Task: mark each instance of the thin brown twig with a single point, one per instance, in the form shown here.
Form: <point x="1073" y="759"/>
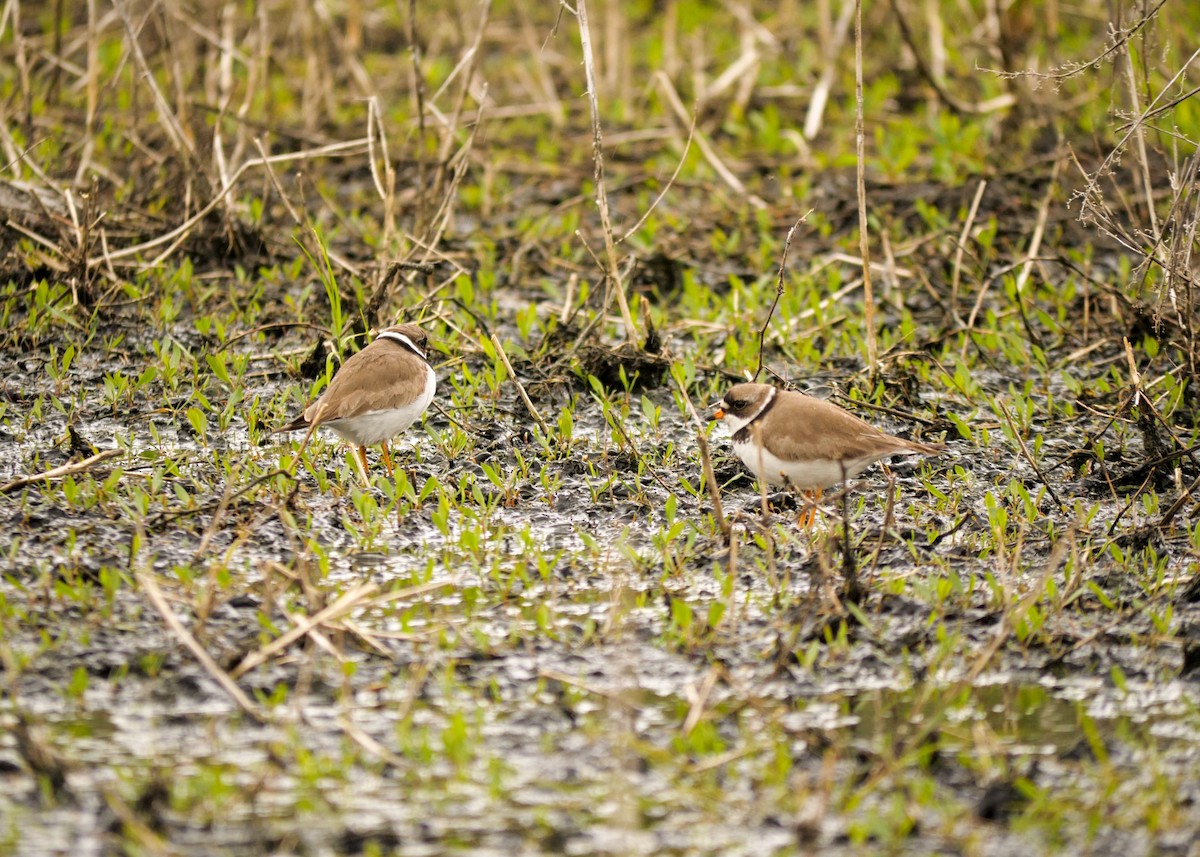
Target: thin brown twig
<point x="653" y="471"/>
<point x="787" y="244"/>
<point x="1008" y="417"/>
<point x="687" y="145"/>
<point x="1119" y="40"/>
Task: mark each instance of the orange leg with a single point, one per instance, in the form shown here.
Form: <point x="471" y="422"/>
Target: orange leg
<point x="387" y="458"/>
<point x="809" y="513"/>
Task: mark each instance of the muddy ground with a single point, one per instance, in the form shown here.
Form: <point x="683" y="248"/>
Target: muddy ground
<point x="592" y="704"/>
<point x="547" y="638"/>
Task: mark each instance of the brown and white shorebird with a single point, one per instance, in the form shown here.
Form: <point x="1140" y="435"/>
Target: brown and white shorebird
<point x="788" y="438"/>
<point x="376" y="394"/>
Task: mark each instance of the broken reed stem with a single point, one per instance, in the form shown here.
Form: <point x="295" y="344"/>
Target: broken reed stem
<point x="968" y="224"/>
<point x="787" y="243"/>
<point x="533" y="412"/>
<point x="1139" y="139"/>
<point x="179" y="234"/>
<point x="1039" y="229"/>
<point x="418" y="89"/>
<point x="385" y="184"/>
<point x="149" y="585"/>
<point x="611" y="272"/>
<point x="714" y="490"/>
<point x="347" y="602"/>
<point x="59" y="472"/>
<point x="832" y="41"/>
<point x="860" y="159"/>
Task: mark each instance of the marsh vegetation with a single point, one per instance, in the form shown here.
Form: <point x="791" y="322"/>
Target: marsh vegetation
<point x="567" y="623"/>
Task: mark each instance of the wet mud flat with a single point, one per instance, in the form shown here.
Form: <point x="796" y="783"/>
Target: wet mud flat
<point x="542" y="643"/>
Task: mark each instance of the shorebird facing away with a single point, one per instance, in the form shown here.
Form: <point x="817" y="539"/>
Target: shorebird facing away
<point x="376" y="394"/>
<point x="788" y="438"/>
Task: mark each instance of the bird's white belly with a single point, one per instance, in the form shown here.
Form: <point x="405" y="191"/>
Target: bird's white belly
<point x="804" y="475"/>
<point x="377" y="426"/>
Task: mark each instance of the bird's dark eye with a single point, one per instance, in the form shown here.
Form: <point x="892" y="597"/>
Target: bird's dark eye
<point x="736" y="404"/>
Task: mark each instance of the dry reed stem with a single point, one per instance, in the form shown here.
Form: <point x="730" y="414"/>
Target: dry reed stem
<point x="468" y="63"/>
<point x="179" y="234"/>
<point x="165" y="115"/>
<point x="417" y="84"/>
<point x="710" y="155"/>
<point x="348" y="601"/>
<point x="360" y="737"/>
<point x="70" y="469"/>
<point x="314" y="634"/>
<point x="134" y="827"/>
<point x="612" y="274"/>
<point x="533" y="412"/>
<point x="698" y="698"/>
<point x="937" y="39"/>
<point x="956" y="276"/>
<point x="831" y="47"/>
<point x="616" y="696"/>
<point x="91" y="91"/>
<point x="714" y="489"/>
<point x="1039" y="229"/>
<point x="149" y="585"/>
<point x="860" y="184"/>
<point x="1139" y="139"/>
<point x="385" y="185"/>
<point x="710" y="479"/>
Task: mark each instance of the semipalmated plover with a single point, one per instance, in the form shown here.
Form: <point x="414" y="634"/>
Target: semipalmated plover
<point x="788" y="438"/>
<point x="376" y="394"/>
